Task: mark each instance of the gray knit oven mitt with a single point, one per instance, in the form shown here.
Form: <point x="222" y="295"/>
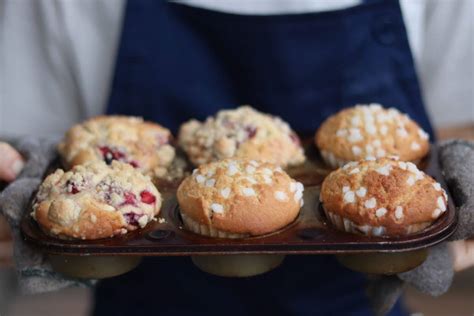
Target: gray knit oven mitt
<point x="435" y="275"/>
<point x="35" y="274"/>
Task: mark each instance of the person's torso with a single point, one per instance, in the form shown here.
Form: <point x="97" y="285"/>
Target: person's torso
<point x="177" y="62"/>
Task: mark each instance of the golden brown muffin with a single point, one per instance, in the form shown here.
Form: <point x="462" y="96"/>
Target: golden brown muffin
<point x="236" y="198"/>
<point x="370" y="131"/>
<point x="242" y="133"/>
<point x="384" y="197"/>
<point x="95" y="200"/>
<point x="144" y="145"/>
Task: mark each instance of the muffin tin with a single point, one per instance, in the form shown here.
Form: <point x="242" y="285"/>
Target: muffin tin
<point x="308" y="234"/>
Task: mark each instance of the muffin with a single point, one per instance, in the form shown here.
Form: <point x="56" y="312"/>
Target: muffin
<point x="366" y="131"/>
<point x="236" y="198"/>
<point x="242" y="133"/>
<point x="95" y="200"/>
<point x="383" y="197"/>
<point x="144" y="145"/>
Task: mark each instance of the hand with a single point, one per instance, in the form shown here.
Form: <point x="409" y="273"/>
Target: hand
<point x="458" y="171"/>
<point x="434" y="276"/>
<point x="11" y="162"/>
<point x="463" y="254"/>
<point x="33" y="268"/>
<point x="457" y="165"/>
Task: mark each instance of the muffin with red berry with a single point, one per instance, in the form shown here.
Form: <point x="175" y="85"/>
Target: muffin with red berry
<point x="95" y="201"/>
<point x="382" y="197"/>
<point x="243" y="133"/>
<point x="366" y="131"/>
<point x="143" y="145"/>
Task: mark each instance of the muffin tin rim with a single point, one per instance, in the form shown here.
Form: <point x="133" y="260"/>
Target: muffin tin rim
<point x="441" y="229"/>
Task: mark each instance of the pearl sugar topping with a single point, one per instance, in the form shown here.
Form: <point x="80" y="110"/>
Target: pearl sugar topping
<point x="244" y="175"/>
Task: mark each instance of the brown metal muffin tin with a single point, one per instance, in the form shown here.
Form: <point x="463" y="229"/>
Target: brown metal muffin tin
<point x="308" y="234"/>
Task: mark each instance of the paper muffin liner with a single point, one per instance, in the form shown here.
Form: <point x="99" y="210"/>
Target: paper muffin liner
<point x="345" y="224"/>
<point x="206" y="230"/>
<point x="331" y="160"/>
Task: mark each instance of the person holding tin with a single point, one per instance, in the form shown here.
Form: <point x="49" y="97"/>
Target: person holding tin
<point x="176" y="61"/>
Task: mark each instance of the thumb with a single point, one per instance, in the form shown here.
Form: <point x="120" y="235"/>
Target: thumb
<point x="463" y="253"/>
<point x="11" y="162"/>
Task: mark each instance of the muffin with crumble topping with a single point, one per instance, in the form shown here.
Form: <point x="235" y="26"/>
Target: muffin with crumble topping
<point x="95" y="201"/>
<point x="365" y="131"/>
<point x="144" y="145"/>
<point x="241" y="133"/>
<point x="383" y="197"/>
<point x="237" y="198"/>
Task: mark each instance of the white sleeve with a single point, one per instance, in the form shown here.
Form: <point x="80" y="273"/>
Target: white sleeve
<point x="446" y="64"/>
<point x="413" y="16"/>
<point x="56" y="62"/>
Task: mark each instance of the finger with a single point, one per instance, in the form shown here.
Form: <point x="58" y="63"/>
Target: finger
<point x="463" y="254"/>
<point x="6" y="254"/>
<point x="4" y="229"/>
<point x="11" y="162"/>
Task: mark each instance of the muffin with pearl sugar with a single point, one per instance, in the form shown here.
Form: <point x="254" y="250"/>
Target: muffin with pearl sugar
<point x="382" y="197"/>
<point x="241" y="133"/>
<point x="95" y="200"/>
<point x="237" y="198"/>
<point x="366" y="131"/>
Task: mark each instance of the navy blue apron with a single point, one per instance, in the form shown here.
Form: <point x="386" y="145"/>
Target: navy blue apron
<point x="177" y="62"/>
